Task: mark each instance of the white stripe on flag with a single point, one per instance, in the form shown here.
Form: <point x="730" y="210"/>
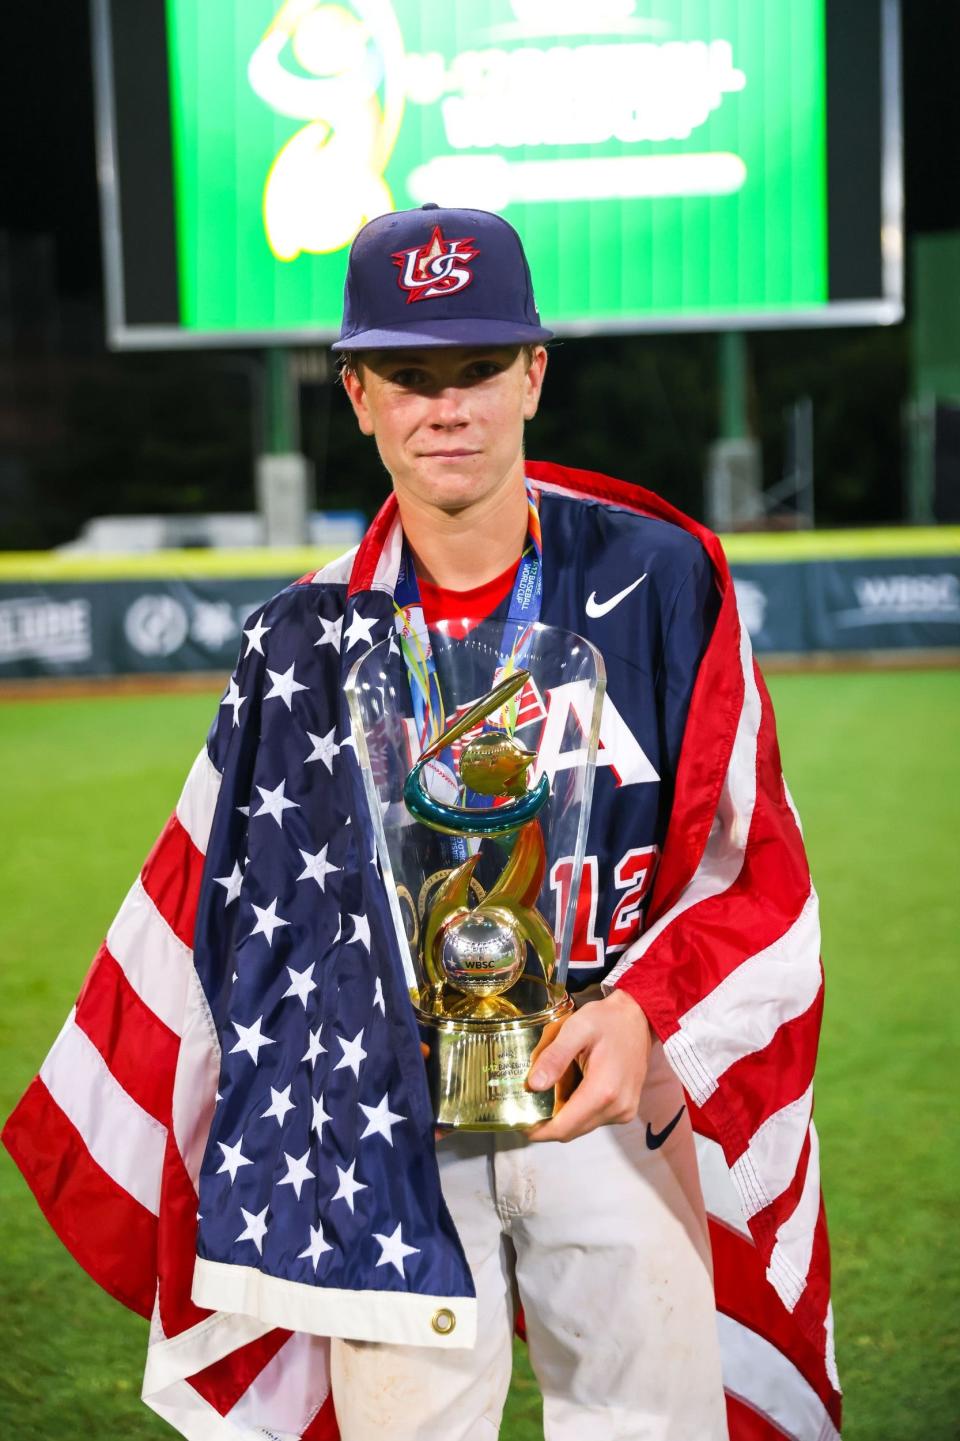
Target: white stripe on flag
<point x="198" y="800"/>
<point x="196" y="1079"/>
<point x="171" y="1359"/>
<point x="191" y="1416"/>
<point x="719" y="1193"/>
<point x="154" y="960"/>
<point x="760" y="1375"/>
<point x="830" y="1355"/>
<point x="336" y="572"/>
<point x="723" y="855"/>
<point x="769" y="1164"/>
<point x="121" y="1137"/>
<point x="762" y="994"/>
<point x="790" y="1260"/>
<point x="289" y="1390"/>
<point x="388" y="564"/>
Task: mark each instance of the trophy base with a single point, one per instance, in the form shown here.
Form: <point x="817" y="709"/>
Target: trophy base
<point x="477" y="1068"/>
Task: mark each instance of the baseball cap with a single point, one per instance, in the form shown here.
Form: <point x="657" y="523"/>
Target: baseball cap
<point x="436" y="276"/>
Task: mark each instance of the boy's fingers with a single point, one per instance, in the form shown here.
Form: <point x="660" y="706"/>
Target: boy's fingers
<point x="549" y="1064"/>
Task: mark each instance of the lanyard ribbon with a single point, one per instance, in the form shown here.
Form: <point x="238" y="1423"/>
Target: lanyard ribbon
<point x="522" y="614"/>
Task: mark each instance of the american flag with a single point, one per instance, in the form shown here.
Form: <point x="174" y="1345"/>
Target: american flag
<point x="241" y="1049"/>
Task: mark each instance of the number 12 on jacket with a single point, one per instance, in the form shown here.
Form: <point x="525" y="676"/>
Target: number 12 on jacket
<point x="633" y="876"/>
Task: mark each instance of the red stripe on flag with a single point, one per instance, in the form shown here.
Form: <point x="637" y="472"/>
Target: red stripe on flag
<point x="109" y="1233"/>
<point x="790" y="1055"/>
<point x="324" y="1426"/>
<point x="177" y="1245"/>
<point x="745" y="1424"/>
<point x="124" y="1030"/>
<point x="811" y="1309"/>
<point x="707" y="942"/>
<point x="222" y="1384"/>
<point x="743" y="1292"/>
<point x="716" y="705"/>
<point x="371" y="547"/>
<point x="764" y="1224"/>
<point x="171" y="878"/>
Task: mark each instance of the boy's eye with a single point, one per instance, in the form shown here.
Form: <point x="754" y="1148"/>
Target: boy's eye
<point x="409" y="378"/>
<point x="483" y="369"/>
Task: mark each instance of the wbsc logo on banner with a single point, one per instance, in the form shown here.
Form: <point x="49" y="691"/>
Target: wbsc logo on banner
<point x="896" y="599"/>
<point x="158" y="625"/>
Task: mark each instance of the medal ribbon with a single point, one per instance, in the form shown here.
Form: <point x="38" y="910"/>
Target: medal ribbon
<point x="522" y="614"/>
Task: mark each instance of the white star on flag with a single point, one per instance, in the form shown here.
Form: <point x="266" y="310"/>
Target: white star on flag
<point x="361" y="931"/>
<point x="378" y="996"/>
<point x="380" y="1121"/>
<point x="394" y="1249"/>
<point x="324" y="748"/>
<point x="255" y="1229"/>
<point x="251" y="1040"/>
<point x="317" y="1246"/>
<point x="314" y="1048"/>
<point x="267" y="920"/>
<point x="232" y="1159"/>
<point x="280" y="1104"/>
<point x="284" y="687"/>
<point x="360" y="629"/>
<point x="353" y="1054"/>
<point x="297" y="1172"/>
<point x="319" y="1117"/>
<point x="317" y="868"/>
<point x="393" y="648"/>
<point x="301" y="984"/>
<point x="255" y="635"/>
<point x="234" y="698"/>
<point x="231" y="883"/>
<point x="348" y="1186"/>
<point x="331" y="632"/>
<point x="275" y="803"/>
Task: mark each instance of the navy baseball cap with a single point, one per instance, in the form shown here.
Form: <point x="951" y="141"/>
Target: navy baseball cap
<point x="438" y="277"/>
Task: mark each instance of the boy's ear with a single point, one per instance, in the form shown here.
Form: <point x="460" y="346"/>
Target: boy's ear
<point x="357" y="396"/>
<point x="533" y="382"/>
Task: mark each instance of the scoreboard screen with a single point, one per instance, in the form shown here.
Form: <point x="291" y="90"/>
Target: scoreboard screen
<point x="699" y="164"/>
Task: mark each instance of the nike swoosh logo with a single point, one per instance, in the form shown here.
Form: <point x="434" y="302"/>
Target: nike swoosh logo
<point x="655" y="1139"/>
<point x="596" y="608"/>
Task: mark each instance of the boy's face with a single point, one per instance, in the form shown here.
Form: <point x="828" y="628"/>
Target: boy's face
<point x="448" y="422"/>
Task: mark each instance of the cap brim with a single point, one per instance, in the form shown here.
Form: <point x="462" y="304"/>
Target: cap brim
<point x="445" y="332"/>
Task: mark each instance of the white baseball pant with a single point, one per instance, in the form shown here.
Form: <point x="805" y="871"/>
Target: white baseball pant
<point x="604" y="1242"/>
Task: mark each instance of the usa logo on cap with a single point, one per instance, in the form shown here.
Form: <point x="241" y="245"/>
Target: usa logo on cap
<point x="440" y="267"/>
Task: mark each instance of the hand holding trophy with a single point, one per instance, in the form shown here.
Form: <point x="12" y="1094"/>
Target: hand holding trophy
<point x="472" y="854"/>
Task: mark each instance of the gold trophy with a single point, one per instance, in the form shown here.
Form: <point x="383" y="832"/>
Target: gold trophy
<point x="473" y="852"/>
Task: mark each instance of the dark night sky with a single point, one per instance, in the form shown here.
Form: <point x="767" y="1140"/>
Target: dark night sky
<point x="50" y="175"/>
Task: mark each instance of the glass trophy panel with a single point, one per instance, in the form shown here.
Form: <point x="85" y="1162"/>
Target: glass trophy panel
<point x="540" y="747"/>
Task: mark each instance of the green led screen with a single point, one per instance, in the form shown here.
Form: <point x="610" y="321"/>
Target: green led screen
<point x="665" y="161"/>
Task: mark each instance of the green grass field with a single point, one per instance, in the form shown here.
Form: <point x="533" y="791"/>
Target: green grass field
<point x="874" y="764"/>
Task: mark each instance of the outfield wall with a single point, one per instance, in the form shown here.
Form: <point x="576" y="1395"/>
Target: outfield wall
<point x="810" y="595"/>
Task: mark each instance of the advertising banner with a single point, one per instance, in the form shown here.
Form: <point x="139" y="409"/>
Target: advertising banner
<point x="126" y="627"/>
<point x="153" y="625"/>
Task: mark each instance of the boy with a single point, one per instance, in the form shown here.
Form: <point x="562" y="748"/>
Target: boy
<point x="299" y="1110"/>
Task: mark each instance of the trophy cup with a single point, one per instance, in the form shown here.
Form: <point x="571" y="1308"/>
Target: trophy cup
<point x="480" y="816"/>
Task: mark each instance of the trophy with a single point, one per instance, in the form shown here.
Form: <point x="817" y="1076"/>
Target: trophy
<point x="480" y="799"/>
